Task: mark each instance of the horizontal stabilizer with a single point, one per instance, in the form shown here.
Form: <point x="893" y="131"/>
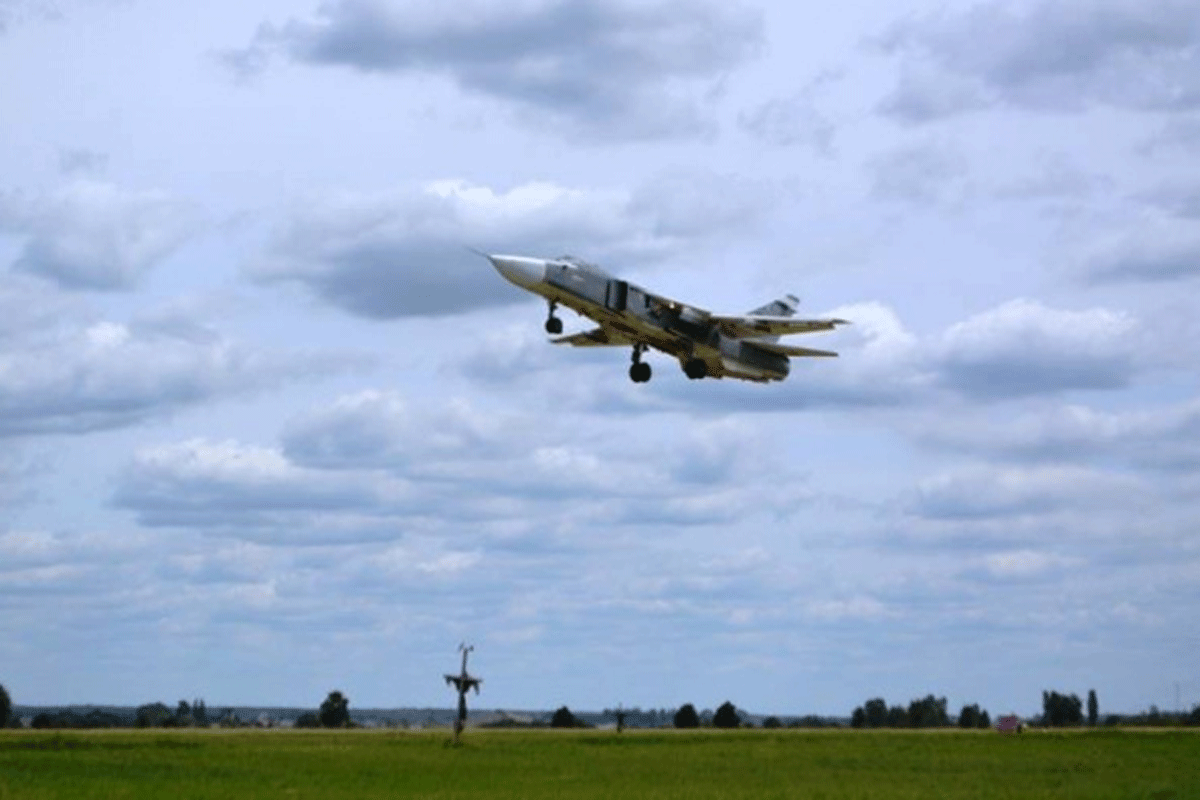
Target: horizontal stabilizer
<point x="789" y="350"/>
<point x="596" y="337"/>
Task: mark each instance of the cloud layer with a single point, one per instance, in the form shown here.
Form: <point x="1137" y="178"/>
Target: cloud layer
<point x="592" y="68"/>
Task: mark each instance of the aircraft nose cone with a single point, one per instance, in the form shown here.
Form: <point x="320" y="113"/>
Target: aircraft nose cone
<point x="527" y="272"/>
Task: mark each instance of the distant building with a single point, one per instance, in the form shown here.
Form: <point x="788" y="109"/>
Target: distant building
<point x="1010" y="724"/>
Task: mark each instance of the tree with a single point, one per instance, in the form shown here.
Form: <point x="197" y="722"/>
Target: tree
<point x="686" y="717"/>
<point x="969" y="716"/>
<point x="563" y="718"/>
<point x="5" y="707"/>
<point x="1060" y="710"/>
<point x="772" y="722"/>
<point x="1093" y="708"/>
<point x="153" y="715"/>
<point x="200" y="713"/>
<point x="928" y="712"/>
<point x="877" y="712"/>
<point x="858" y="719"/>
<point x="726" y="716"/>
<point x="335" y="711"/>
<point x="308" y="719"/>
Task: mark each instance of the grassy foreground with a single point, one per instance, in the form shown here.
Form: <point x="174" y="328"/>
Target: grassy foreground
<point x="1162" y="765"/>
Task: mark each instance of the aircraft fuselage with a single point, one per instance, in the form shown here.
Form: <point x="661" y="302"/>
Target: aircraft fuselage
<point x="630" y="315"/>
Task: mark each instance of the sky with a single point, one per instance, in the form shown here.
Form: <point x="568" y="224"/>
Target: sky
<point x="268" y="428"/>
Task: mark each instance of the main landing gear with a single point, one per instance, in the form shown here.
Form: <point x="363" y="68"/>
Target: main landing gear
<point x="639" y="372"/>
<point x="695" y="368"/>
<point x="553" y="323"/>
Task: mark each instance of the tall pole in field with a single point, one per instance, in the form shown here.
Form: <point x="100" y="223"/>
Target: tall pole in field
<point x="462" y="683"/>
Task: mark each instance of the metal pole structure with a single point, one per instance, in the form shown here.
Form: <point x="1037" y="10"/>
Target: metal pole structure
<point x="462" y="683"/>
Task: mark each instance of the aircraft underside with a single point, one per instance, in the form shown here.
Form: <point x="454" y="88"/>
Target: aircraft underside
<point x="707" y="345"/>
<point x="702" y="353"/>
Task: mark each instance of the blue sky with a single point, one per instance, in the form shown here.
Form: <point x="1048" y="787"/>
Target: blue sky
<point x="267" y="428"/>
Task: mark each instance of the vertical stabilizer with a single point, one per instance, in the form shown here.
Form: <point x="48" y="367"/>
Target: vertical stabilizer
<point x="783" y="307"/>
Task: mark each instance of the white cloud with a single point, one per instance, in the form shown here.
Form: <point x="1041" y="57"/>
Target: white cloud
<point x="404" y="253"/>
<point x="1024" y="347"/>
<point x="109" y="375"/>
<point x="594" y="69"/>
<point x="92" y="235"/>
<point x="1166" y="438"/>
<point x="1047" y="56"/>
<point x="1022" y="564"/>
<point x="983" y="492"/>
<point x="1154" y="248"/>
<point x="228" y="487"/>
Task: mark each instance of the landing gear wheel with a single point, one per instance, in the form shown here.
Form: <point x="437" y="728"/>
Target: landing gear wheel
<point x="695" y="369"/>
<point x="553" y="323"/>
<point x="639" y="372"/>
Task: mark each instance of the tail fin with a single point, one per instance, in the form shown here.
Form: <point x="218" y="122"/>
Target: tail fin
<point x="783" y="307"/>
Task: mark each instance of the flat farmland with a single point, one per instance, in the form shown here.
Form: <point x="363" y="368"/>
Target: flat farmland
<point x="1156" y="765"/>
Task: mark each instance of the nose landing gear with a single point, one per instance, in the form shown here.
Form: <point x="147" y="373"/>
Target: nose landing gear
<point x="553" y="323"/>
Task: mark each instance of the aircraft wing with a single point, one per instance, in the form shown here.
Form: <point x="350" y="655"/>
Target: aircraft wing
<point x="746" y="327"/>
<point x="789" y="350"/>
<point x="596" y="337"/>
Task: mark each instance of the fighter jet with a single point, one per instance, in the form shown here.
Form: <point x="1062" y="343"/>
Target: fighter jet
<point x="707" y="345"/>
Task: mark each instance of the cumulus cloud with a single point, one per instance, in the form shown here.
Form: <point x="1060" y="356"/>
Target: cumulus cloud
<point x="629" y="70"/>
<point x="1024" y="348"/>
<point x="374" y="463"/>
<point x="401" y="253"/>
<point x="1166" y="438"/>
<point x="29" y="307"/>
<point x="383" y="430"/>
<point x="108" y="375"/>
<point x="1156" y="248"/>
<point x="218" y="485"/>
<point x="93" y="235"/>
<point x="1004" y="492"/>
<point x="1047" y="56"/>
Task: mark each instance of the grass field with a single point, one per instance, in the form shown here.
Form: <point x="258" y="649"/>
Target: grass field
<point x="1162" y="765"/>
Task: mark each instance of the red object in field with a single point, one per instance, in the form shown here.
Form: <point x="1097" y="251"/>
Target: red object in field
<point x="1010" y="724"/>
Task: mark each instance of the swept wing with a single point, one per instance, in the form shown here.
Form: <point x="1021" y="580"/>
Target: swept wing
<point x="748" y="327"/>
<point x="791" y="350"/>
<point x="596" y="337"/>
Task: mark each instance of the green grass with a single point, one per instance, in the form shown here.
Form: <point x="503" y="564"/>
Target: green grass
<point x="179" y="765"/>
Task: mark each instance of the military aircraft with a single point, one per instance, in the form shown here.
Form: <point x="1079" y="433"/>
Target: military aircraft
<point x="707" y="345"/>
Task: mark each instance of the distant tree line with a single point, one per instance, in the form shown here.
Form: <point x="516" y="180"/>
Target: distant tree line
<point x="1058" y="710"/>
<point x="926" y="712"/>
